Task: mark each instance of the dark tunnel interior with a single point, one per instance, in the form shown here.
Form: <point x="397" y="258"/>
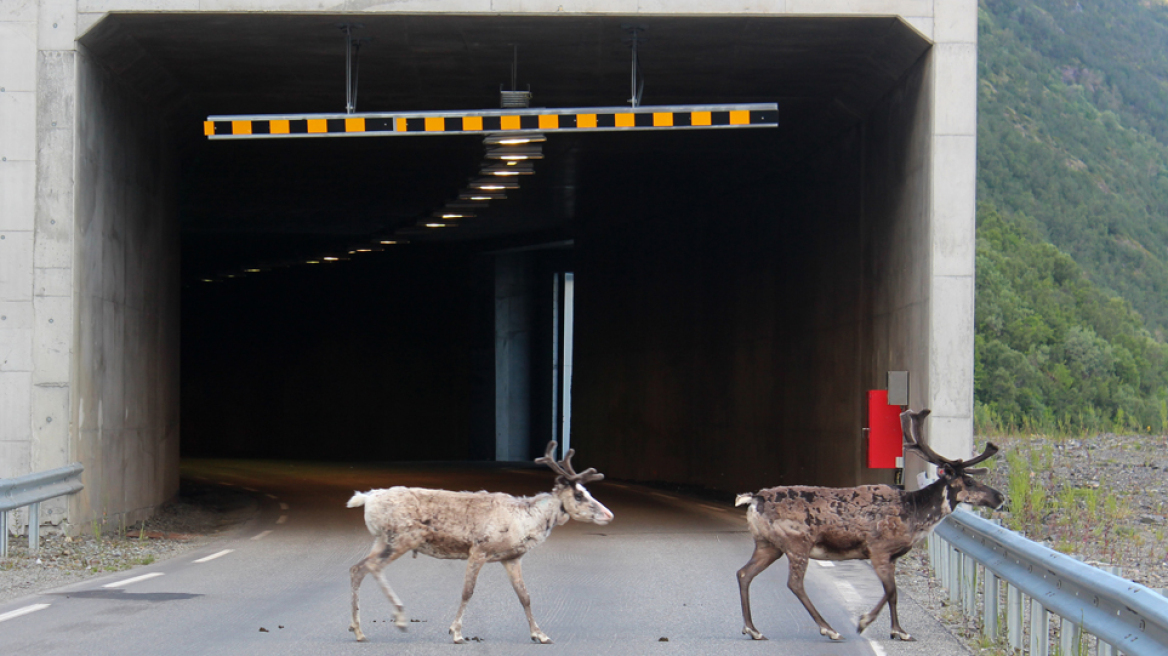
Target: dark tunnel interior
<point x="697" y="255"/>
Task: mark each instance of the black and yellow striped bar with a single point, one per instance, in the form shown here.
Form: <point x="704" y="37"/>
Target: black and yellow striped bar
<point x="595" y="119"/>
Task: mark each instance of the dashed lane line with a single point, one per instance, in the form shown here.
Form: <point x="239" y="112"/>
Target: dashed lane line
<point x="22" y="611"/>
<point x="283" y="506"/>
<point x="118" y="584"/>
<point x="214" y="556"/>
<point x="271" y="496"/>
<point x="261" y="535"/>
<point x="283" y="518"/>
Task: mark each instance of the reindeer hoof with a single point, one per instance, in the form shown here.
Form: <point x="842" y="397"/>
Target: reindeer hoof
<point x="753" y="633"/>
<point x="401" y="622"/>
<point x="541" y="639"/>
<point x="865" y="621"/>
<point x="831" y="633"/>
<point x="356" y="631"/>
<point x="901" y="635"/>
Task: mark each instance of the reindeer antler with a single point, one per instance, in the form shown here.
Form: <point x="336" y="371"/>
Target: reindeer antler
<point x="564" y="467"/>
<point x="910" y="423"/>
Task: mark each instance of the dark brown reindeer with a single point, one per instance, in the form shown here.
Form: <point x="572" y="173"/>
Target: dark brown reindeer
<point x="478" y="527"/>
<point x="877" y="522"/>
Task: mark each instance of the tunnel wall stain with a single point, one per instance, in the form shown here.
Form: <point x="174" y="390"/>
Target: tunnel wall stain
<point x="127" y="300"/>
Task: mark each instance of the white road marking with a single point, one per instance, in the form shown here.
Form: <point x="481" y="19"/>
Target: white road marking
<point x="272" y="496"/>
<point x="261" y="535"/>
<point x="118" y="584"/>
<point x="283" y="506"/>
<point x="850" y="594"/>
<point x="879" y="651"/>
<point x="214" y="556"/>
<point x="283" y="518"/>
<point x="825" y="563"/>
<point x="22" y="611"/>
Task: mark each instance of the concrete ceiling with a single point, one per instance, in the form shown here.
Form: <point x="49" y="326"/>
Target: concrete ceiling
<point x="823" y="72"/>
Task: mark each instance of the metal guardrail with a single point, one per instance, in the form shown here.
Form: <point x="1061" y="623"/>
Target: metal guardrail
<point x="30" y="490"/>
<point x="1121" y="614"/>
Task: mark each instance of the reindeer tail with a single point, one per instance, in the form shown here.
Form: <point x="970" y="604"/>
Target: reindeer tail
<point x="357" y="500"/>
<point x="742" y="499"/>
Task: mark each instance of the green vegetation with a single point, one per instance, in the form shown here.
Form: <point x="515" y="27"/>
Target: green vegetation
<point x="1073" y="227"/>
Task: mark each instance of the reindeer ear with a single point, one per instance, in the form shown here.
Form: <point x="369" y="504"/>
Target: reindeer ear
<point x="977" y="471"/>
<point x="561" y="480"/>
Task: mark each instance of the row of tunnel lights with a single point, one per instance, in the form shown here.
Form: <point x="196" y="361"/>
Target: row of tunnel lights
<point x="508" y="156"/>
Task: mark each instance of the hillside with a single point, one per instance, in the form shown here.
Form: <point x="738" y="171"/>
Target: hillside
<point x="1073" y="131"/>
<point x="1072" y="308"/>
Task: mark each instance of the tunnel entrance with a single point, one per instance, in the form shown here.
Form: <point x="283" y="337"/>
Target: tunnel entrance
<point x="737" y="291"/>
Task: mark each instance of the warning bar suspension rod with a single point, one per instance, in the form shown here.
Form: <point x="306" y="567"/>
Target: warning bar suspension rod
<point x="591" y="119"/>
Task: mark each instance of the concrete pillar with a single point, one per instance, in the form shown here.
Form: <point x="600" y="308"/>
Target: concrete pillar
<point x="513" y="325"/>
<point x="953" y="224"/>
<point x="37" y="95"/>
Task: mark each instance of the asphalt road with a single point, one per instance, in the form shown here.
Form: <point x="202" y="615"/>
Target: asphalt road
<point x="660" y="579"/>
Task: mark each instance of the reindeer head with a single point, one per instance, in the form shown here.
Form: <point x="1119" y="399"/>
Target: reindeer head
<point x="956" y="475"/>
<point x="570" y="490"/>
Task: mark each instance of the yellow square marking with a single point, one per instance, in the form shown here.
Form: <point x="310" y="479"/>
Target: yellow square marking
<point x="241" y="127"/>
<point x="700" y="118"/>
<point x="435" y="124"/>
<point x="740" y="117"/>
<point x="625" y="120"/>
<point x="279" y="127"/>
<point x="586" y="120"/>
<point x="509" y="122"/>
<point x="317" y="126"/>
<point x="208" y="128"/>
<point x="663" y="119"/>
<point x="549" y="121"/>
<point x="472" y="123"/>
<point x="399" y="125"/>
<point x="354" y="125"/>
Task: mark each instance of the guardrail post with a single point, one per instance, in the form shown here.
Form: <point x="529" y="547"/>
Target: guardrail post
<point x="1070" y="635"/>
<point x="34" y="527"/>
<point x="1039" y="629"/>
<point x="1014" y="616"/>
<point x="3" y="534"/>
<point x="968" y="585"/>
<point x="990" y="608"/>
<point x="954" y="574"/>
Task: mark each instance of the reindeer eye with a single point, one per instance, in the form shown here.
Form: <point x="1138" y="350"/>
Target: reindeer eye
<point x="579" y="496"/>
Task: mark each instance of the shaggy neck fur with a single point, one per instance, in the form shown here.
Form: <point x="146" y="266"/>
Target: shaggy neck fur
<point x="931" y="504"/>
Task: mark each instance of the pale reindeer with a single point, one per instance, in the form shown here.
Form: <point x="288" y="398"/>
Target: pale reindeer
<point x="877" y="522"/>
<point x="478" y="527"/>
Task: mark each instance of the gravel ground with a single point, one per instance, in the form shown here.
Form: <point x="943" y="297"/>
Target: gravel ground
<point x="1103" y="500"/>
<point x="196" y="517"/>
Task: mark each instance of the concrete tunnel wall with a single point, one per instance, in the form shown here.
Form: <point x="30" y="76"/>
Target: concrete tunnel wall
<point x="728" y="339"/>
<point x="917" y="210"/>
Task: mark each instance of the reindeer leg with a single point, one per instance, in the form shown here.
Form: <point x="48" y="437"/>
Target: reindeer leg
<point x="797" y="564"/>
<point x="515" y="572"/>
<point x="379" y="557"/>
<point x="764" y="554"/>
<point x="473" y="564"/>
<point x="885" y="570"/>
<point x="889" y="580"/>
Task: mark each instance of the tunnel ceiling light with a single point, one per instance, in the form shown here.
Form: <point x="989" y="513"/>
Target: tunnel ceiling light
<point x="437" y="225"/>
<point x="392" y="242"/>
<point x="479" y="194"/>
<point x="513" y="140"/>
<point x="493" y="184"/>
<point x="496" y="123"/>
<point x="515" y="153"/>
<point x="453" y="214"/>
<point x="508" y="168"/>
